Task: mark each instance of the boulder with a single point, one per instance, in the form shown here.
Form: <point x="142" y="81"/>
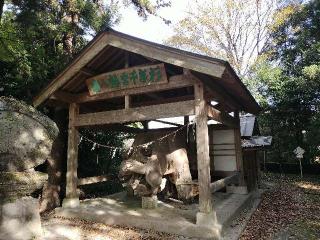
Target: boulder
<point x="14" y="185"/>
<point x="26" y="136"/>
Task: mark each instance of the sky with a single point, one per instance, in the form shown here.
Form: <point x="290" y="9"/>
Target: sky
<point x="153" y="29"/>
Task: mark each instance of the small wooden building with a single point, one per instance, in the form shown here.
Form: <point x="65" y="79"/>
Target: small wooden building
<point x="119" y="79"/>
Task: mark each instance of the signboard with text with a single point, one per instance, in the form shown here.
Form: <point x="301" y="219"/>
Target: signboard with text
<point x="127" y="78"/>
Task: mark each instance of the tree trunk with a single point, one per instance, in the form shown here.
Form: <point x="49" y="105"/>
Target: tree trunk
<point x="51" y="191"/>
<point x="1" y="8"/>
<point x="146" y="170"/>
<point x="72" y="18"/>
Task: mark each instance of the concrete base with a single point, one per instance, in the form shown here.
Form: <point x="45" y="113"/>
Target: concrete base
<point x="170" y="216"/>
<point x="237" y="189"/>
<point x="70" y="203"/>
<point x="209" y="219"/>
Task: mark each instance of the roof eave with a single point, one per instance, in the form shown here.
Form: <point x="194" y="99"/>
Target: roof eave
<point x="222" y="65"/>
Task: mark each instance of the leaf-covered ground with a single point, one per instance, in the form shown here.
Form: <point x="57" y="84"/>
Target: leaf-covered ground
<point x="289" y="209"/>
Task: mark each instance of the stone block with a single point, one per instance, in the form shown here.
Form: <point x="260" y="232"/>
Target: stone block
<point x="20" y="220"/>
<point x="149" y="202"/>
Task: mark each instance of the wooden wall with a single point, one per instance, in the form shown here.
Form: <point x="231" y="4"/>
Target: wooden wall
<point x="222" y="150"/>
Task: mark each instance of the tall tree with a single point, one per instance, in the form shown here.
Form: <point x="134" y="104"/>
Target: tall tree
<point x="288" y="80"/>
<point x="233" y="30"/>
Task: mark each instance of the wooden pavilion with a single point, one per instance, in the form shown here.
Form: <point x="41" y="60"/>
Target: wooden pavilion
<point x="119" y="79"/>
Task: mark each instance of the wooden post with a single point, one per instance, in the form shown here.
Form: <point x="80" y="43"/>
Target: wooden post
<point x="238" y="148"/>
<point x="203" y="158"/>
<point x="127" y="101"/>
<point x="185" y="120"/>
<point x="72" y="198"/>
<point x="145" y="125"/>
<point x="264" y="161"/>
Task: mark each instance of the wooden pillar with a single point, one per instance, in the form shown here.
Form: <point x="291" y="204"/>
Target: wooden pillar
<point x="203" y="158"/>
<point x="145" y="125"/>
<point x="238" y="148"/>
<point x="72" y="198"/>
<point x="126" y="101"/>
<point x="185" y="120"/>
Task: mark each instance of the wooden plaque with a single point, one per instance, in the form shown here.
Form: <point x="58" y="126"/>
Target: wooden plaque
<point x="127" y="78"/>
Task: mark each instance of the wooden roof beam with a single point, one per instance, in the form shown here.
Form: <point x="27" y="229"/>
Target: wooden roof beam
<point x="217" y="91"/>
<point x="166" y="55"/>
<point x="222" y="117"/>
<point x="137" y="114"/>
<point x="63" y="96"/>
<point x="168" y="123"/>
<point x="116" y="128"/>
<point x="164" y="100"/>
<point x="89" y="72"/>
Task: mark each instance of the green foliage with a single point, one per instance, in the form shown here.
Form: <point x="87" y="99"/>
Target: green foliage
<point x="149" y="7"/>
<point x="287" y="80"/>
<point x="33" y="42"/>
<point x="97" y="160"/>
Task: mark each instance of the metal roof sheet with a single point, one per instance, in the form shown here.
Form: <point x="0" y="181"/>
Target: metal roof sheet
<point x="247" y="125"/>
<point x="256" y="141"/>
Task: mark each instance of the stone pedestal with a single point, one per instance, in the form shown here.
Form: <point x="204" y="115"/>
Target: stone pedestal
<point x="20" y="220"/>
<point x="149" y="202"/>
<point x="209" y="221"/>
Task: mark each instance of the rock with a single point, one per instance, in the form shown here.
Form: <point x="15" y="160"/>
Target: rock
<point x="26" y="136"/>
<point x="20" y="220"/>
<point x="14" y="185"/>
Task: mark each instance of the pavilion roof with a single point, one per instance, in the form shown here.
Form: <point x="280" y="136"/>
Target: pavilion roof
<point x="108" y="51"/>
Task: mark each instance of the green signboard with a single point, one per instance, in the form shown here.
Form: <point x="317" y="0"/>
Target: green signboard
<point x="127" y="78"/>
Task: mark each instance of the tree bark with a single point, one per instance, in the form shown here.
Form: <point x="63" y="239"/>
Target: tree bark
<point x="1" y="8"/>
<point x="72" y="18"/>
<point x="145" y="171"/>
<point x="52" y="189"/>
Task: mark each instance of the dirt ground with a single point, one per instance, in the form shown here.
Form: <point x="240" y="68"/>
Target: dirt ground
<point x="289" y="209"/>
<point x="72" y="229"/>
